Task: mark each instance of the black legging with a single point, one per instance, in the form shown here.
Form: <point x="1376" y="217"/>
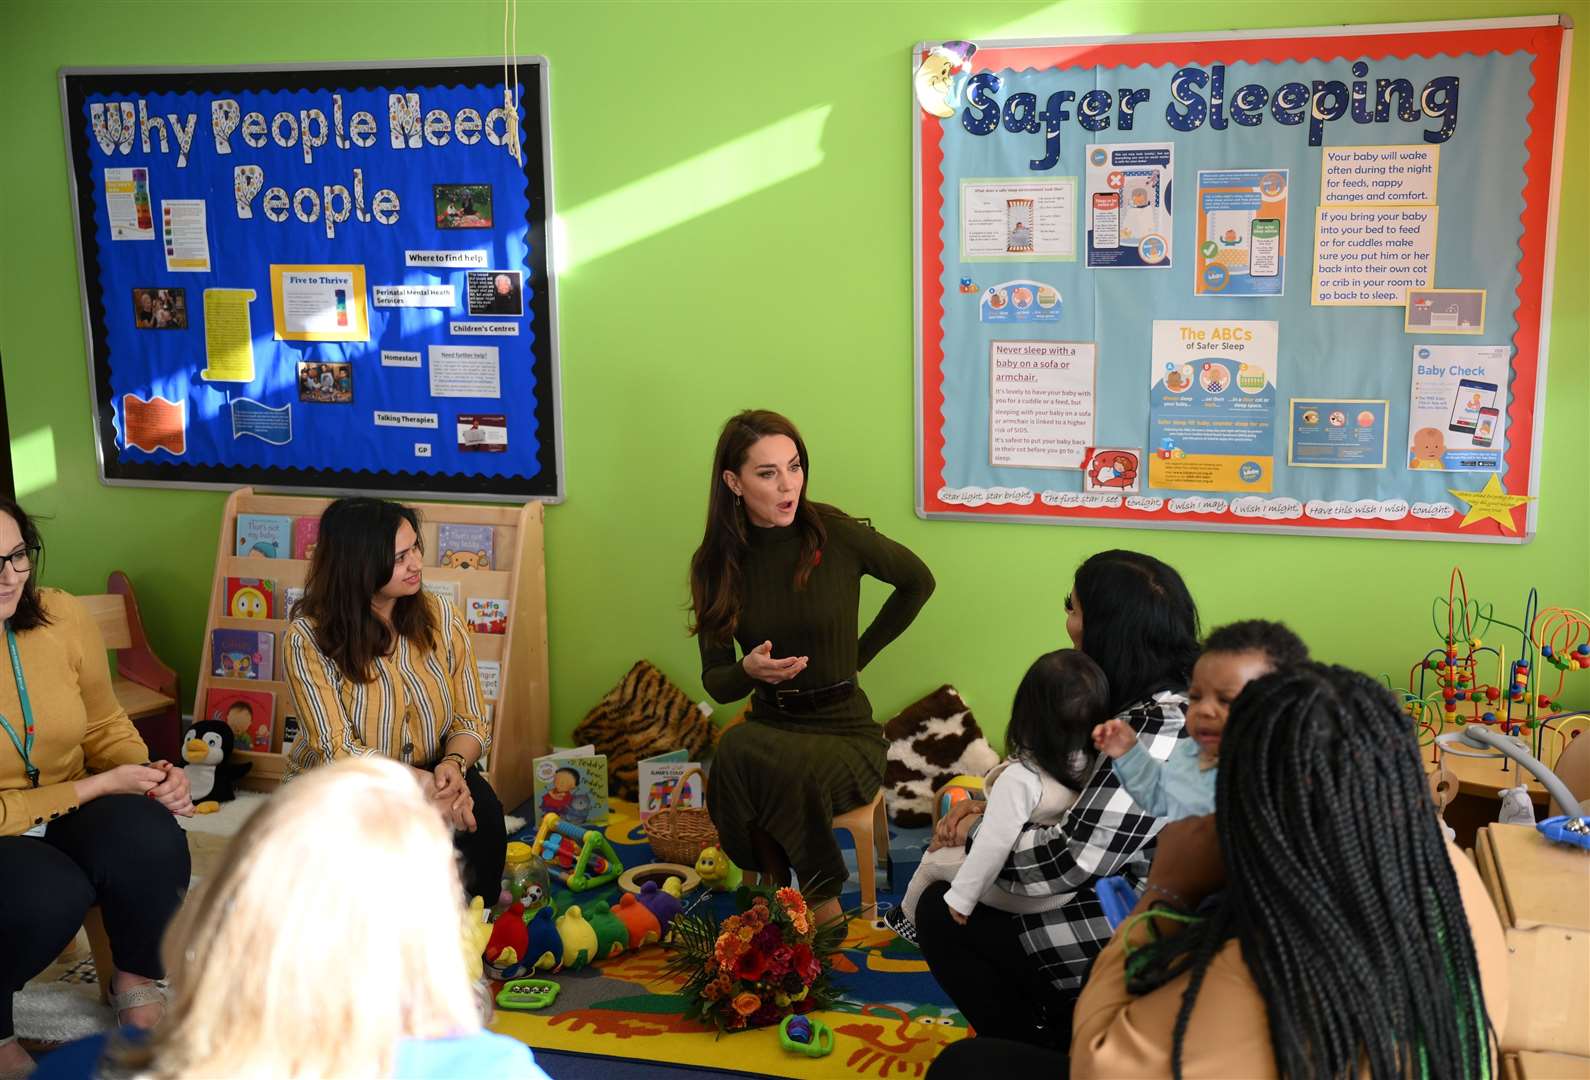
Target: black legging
<point x="986" y="972"/>
<point x="121" y="852"/>
<point x="485" y="849"/>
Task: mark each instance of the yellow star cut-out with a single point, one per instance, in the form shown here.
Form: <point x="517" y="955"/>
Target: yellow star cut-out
<point x="1492" y="503"/>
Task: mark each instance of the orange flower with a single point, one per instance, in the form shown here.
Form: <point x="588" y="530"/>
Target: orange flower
<point x="799" y="921"/>
<point x="746" y="1003"/>
<point x="792" y="900"/>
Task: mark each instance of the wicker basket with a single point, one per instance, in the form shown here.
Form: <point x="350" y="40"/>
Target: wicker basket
<point x="678" y="833"/>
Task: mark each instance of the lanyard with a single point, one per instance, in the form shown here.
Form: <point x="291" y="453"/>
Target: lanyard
<point x="24" y="745"/>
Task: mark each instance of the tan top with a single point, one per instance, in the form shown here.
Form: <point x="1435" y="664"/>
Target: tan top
<point x="418" y="699"/>
<point x="79" y="727"/>
<point x="1119" y="1034"/>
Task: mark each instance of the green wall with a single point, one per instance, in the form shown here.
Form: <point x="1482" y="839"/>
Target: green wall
<point x="736" y="184"/>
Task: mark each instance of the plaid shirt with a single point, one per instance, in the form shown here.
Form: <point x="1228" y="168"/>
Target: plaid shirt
<point x="1104" y="833"/>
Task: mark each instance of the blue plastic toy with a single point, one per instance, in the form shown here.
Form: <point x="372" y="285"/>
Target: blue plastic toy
<point x="1117" y="898"/>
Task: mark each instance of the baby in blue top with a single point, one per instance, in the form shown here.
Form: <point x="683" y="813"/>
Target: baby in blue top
<point x="1184" y="785"/>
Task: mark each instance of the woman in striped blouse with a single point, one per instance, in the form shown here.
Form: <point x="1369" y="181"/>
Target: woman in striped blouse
<point x="378" y="666"/>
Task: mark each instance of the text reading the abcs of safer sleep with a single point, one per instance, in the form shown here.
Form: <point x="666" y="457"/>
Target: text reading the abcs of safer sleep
<point x="116" y="124"/>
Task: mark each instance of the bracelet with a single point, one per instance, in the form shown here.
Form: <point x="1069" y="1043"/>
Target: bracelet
<point x="1175" y="898"/>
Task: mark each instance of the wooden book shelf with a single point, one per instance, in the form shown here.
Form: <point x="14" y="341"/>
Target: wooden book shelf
<point x="520" y="712"/>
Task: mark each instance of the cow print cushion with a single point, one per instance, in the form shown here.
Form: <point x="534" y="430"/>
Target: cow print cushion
<point x="929" y="742"/>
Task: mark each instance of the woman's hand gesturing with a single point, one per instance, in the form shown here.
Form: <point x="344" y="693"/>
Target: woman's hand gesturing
<point x="760" y="665"/>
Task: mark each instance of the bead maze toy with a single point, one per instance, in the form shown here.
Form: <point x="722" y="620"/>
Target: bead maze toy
<point x="1448" y="686"/>
<point x="579" y="857"/>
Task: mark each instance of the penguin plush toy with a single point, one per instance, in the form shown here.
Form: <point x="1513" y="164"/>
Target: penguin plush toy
<point x="206" y="746"/>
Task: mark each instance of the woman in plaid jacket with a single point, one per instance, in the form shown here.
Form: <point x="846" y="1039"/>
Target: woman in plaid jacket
<point x="1018" y="976"/>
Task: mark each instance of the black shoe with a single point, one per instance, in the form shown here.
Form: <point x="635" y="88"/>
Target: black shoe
<point x="896" y="920"/>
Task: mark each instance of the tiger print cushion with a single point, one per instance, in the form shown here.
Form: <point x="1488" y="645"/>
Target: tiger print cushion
<point x="644" y="714"/>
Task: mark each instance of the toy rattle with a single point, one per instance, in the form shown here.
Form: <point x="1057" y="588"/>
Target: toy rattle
<point x="803" y="1035"/>
<point x="527" y="994"/>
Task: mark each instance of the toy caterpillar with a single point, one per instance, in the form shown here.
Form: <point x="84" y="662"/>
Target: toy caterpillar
<point x="521" y="943"/>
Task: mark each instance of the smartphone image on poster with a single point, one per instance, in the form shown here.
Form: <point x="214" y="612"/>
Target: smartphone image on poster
<point x="1472" y="397"/>
<point x="1485" y="429"/>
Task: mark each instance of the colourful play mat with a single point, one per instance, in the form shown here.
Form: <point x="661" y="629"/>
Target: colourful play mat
<point x="893" y="1020"/>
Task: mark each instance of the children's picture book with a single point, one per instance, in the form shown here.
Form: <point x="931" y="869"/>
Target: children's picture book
<point x="464" y="547"/>
<point x="306" y="530"/>
<point x="250" y="598"/>
<point x="447" y="590"/>
<point x="487" y="615"/>
<point x="658" y="775"/>
<point x="490" y="678"/>
<point x="571" y="784"/>
<point x="268" y="535"/>
<point x="243" y="654"/>
<point x="249" y="713"/>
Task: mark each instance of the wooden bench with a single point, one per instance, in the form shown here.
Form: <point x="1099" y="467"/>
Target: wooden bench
<point x="145" y="686"/>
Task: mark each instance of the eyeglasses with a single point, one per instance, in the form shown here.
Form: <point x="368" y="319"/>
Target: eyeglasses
<point x="21" y="560"/>
<point x="418" y="548"/>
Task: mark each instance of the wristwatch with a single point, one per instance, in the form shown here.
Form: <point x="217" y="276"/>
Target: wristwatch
<point x="455" y="756"/>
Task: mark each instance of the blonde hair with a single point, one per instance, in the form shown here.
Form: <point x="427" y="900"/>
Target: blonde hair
<point x="329" y="934"/>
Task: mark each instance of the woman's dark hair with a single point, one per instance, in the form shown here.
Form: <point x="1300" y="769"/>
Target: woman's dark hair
<point x="1138" y="623"/>
<point x="30" y="610"/>
<point x="715" y="574"/>
<point x="1063" y="696"/>
<point x="353" y="558"/>
<point x="1275" y="640"/>
<point x="1339" y="888"/>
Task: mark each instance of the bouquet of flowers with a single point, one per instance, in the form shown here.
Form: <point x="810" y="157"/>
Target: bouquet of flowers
<point x="757" y="967"/>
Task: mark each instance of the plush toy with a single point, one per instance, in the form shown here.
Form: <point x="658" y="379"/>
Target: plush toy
<point x="476" y="932"/>
<point x="929" y="742"/>
<point x="579" y="939"/>
<point x="674" y="886"/>
<point x="211" y="777"/>
<point x="717" y="871"/>
<point x="545" y="951"/>
<point x="638" y="919"/>
<point x="612" y="936"/>
<point x="663" y="906"/>
<point x="509" y="942"/>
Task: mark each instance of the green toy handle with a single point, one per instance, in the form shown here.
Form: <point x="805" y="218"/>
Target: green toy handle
<point x="543" y="992"/>
<point x="822" y="1043"/>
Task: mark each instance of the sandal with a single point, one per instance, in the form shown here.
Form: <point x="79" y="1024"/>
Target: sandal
<point x="149" y="993"/>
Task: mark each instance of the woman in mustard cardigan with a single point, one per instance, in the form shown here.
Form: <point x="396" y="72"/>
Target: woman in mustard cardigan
<point x="85" y="817"/>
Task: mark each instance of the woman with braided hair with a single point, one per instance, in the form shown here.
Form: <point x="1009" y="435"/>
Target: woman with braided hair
<point x="1350" y="938"/>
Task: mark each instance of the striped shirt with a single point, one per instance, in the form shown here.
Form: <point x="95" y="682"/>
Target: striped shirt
<point x="418" y="699"/>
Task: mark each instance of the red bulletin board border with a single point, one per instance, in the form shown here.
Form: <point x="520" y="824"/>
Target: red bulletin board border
<point x="1545" y="38"/>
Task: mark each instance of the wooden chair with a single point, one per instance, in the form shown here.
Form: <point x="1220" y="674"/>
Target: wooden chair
<point x="1573" y="769"/>
<point x="99" y="945"/>
<point x="147" y="688"/>
<point x="869" y="832"/>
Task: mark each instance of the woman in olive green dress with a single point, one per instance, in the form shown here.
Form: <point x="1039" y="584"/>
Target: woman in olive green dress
<point x="781" y="576"/>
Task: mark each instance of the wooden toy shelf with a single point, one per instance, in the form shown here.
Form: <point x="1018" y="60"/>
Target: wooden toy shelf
<point x="520" y="712"/>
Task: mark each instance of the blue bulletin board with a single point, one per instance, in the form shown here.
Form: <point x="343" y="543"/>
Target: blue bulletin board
<point x="320" y="278"/>
<point x="1290" y="281"/>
